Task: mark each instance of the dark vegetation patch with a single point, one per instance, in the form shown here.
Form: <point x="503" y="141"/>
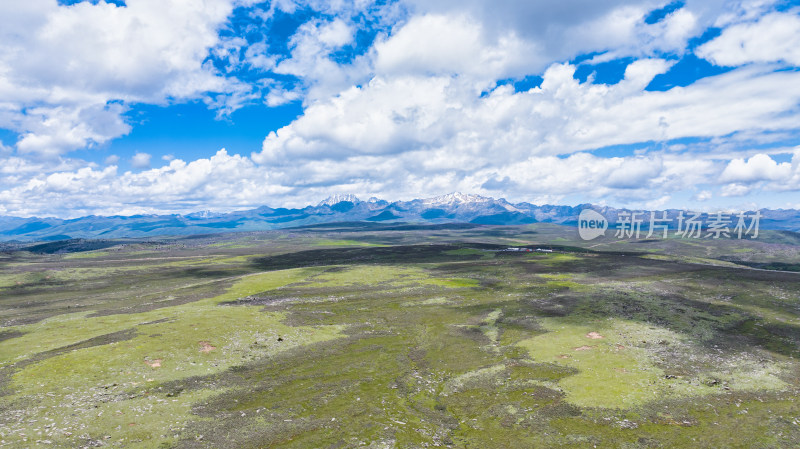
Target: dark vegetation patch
<point x="111" y="294"/>
<point x="526" y="370"/>
<point x="9" y="333"/>
<point x="100" y="340"/>
<point x="777" y="266"/>
<point x="355" y="256"/>
<point x="198" y="237"/>
<point x="71" y="246"/>
<point x="431" y="253"/>
<point x="789" y="237"/>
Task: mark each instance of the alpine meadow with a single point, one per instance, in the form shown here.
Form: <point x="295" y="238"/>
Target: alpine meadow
<point x="400" y="224"/>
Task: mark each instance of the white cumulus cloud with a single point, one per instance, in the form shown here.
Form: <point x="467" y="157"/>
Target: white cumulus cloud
<point x="442" y="124"/>
<point x="66" y="70"/>
<point x="772" y="38"/>
<point x="140" y="160"/>
<point x="760" y="167"/>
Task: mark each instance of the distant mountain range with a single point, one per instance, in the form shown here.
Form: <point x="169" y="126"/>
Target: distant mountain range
<point x="451" y="208"/>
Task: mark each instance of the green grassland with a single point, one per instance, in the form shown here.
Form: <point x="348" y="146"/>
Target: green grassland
<point x="345" y="338"/>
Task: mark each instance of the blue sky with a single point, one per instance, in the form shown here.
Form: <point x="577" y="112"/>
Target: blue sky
<point x="145" y="106"/>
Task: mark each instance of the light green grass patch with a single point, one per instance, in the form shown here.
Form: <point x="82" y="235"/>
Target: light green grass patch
<point x="694" y="260"/>
<point x="608" y="377"/>
<point x="68" y="329"/>
<point x="332" y="242"/>
<point x="169" y="344"/>
<point x="489" y="325"/>
<point x="238" y="334"/>
<point x="554" y="258"/>
<point x="145" y="421"/>
<point x="258" y="283"/>
<point x="50" y="277"/>
<point x="87" y="254"/>
<point x="14" y="279"/>
<point x="389" y="275"/>
<point x="620" y="369"/>
<point x="555" y="276"/>
<point x="435" y="301"/>
<point x="452" y="282"/>
<point x="234" y="260"/>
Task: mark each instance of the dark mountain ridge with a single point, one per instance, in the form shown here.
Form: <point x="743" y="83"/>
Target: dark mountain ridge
<point x="451" y="208"/>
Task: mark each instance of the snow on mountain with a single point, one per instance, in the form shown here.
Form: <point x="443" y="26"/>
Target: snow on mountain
<point x="455" y="198"/>
<point x="468" y="201"/>
<point x="338" y="198"/>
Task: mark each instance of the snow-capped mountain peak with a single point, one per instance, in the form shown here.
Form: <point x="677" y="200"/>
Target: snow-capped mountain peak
<point x="203" y="214"/>
<point x="455" y="198"/>
<point x="338" y="198"/>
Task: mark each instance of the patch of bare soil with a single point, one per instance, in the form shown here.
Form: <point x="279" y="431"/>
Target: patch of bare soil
<point x="206" y="347"/>
<point x="155" y="363"/>
<point x="594" y="336"/>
